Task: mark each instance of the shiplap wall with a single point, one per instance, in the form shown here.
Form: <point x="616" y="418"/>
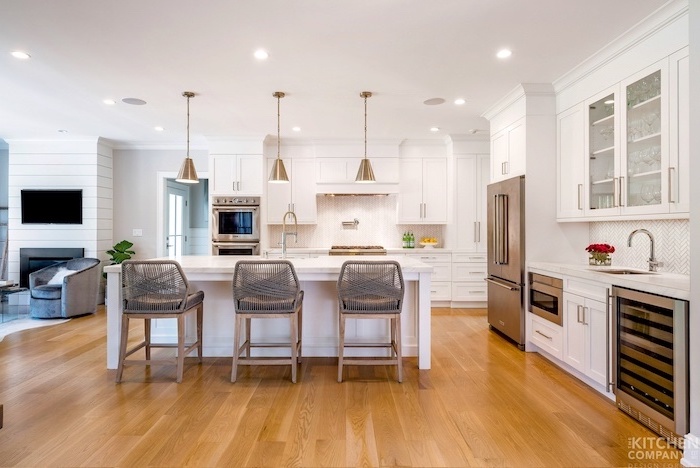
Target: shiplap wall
<point x="86" y="165"/>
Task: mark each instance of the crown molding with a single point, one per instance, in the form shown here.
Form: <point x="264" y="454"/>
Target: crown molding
<point x="520" y="91"/>
<point x="649" y="26"/>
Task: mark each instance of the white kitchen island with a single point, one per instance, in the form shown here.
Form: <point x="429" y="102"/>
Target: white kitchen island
<point x="318" y="277"/>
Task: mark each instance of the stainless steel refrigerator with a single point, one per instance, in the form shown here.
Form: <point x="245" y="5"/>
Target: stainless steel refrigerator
<point x="506" y="258"/>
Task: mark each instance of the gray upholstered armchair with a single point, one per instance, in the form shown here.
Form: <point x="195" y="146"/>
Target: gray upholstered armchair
<point x="65" y="289"/>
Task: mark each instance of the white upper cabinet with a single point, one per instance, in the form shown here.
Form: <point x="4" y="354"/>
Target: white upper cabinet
<point x="632" y="162"/>
<point x="422" y="191"/>
<point x="236" y="174"/>
<point x="571" y="162"/>
<point x="298" y="196"/>
<point x="679" y="129"/>
<point x="508" y="152"/>
<point x="344" y="170"/>
<point x="472" y="174"/>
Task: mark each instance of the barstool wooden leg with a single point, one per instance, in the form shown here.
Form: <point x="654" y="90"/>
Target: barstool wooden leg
<point x="180" y="346"/>
<point x="122" y="346"/>
<point x="200" y="322"/>
<point x="341" y="345"/>
<point x="247" y="336"/>
<point x="397" y="326"/>
<point x="147" y="337"/>
<point x="236" y="348"/>
<point x="293" y="334"/>
<point x="299" y="327"/>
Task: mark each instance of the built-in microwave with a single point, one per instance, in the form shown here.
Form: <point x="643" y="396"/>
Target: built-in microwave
<point x="235" y="219"/>
<point x="546" y="297"/>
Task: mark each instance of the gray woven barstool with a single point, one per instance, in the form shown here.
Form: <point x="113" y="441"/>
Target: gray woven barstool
<point x="266" y="289"/>
<point x="371" y="290"/>
<point x="154" y="289"/>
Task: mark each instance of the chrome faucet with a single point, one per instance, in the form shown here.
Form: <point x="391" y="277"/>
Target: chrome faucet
<point x="653" y="263"/>
<point x="285" y="233"/>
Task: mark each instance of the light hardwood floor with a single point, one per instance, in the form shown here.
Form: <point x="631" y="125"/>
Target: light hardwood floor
<point x="484" y="403"/>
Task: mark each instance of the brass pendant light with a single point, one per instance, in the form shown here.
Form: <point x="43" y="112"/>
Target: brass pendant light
<point x="365" y="174"/>
<point x="279" y="173"/>
<point x="188" y="174"/>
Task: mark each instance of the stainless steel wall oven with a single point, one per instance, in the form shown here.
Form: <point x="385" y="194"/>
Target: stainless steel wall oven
<point x="650" y="357"/>
<point x="235" y="227"/>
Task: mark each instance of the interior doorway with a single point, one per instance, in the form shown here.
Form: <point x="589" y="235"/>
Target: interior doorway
<point x="183" y="213"/>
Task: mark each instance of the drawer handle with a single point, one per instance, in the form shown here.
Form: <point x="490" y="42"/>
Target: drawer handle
<point x="540" y="333"/>
<point x="477" y="292"/>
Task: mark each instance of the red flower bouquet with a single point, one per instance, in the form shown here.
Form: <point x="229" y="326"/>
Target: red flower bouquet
<point x="600" y="254"/>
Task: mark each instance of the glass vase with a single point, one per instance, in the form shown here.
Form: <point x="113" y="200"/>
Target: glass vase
<point x="600" y="260"/>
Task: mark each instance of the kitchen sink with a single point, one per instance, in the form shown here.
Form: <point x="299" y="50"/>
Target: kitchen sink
<point x="625" y="271"/>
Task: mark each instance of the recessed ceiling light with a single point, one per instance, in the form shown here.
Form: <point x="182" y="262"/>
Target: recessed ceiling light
<point x="18" y="54"/>
<point x="158" y="128"/>
<point x="504" y="53"/>
<point x="460" y="101"/>
<point x="109" y="102"/>
<point x="261" y="54"/>
<point x="63" y="131"/>
<point x="434" y="101"/>
<point x="434" y="129"/>
<point x="296" y="129"/>
<point x="133" y="101"/>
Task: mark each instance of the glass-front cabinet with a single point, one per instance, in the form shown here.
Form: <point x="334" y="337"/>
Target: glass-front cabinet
<point x="603" y="155"/>
<point x="643" y="187"/>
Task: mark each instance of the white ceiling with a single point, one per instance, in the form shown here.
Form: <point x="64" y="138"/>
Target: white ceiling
<point x="323" y="53"/>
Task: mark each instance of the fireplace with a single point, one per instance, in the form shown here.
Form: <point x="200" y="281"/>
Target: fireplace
<point x="33" y="259"/>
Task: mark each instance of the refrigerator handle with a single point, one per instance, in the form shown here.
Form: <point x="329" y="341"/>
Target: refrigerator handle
<point x="500" y="232"/>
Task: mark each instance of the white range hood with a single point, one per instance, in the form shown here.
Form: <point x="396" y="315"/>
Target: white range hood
<point x="353" y="188"/>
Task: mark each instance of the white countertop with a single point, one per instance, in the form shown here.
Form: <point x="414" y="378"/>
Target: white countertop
<point x="324" y="250"/>
<point x="322" y="264"/>
<point x="664" y="284"/>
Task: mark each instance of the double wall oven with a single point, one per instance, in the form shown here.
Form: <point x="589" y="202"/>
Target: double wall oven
<point x="235" y="227"/>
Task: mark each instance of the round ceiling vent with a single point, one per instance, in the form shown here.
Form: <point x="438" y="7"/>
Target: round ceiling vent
<point x="133" y="101"/>
<point x="434" y="101"/>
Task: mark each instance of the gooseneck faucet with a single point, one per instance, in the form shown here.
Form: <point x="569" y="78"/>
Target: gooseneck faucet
<point x="285" y="233"/>
<point x="653" y="263"/>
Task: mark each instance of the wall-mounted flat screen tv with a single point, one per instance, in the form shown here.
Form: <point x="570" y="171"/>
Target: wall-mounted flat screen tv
<point x="52" y="207"/>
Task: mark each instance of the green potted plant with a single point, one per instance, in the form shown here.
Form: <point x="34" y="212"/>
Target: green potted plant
<point x="117" y="254"/>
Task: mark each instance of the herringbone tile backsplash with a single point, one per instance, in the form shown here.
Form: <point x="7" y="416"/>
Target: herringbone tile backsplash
<point x="672" y="243"/>
<point x="376" y="216"/>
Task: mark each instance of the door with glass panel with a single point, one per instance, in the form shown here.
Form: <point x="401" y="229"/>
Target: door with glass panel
<point x="645" y="148"/>
<point x="176" y="220"/>
<point x="604" y="171"/>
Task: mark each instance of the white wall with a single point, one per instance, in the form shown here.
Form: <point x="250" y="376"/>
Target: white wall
<point x="85" y="165"/>
<point x="136" y="192"/>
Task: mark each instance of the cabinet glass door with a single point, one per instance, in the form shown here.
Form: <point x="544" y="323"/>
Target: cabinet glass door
<point x="643" y="154"/>
<point x="602" y="154"/>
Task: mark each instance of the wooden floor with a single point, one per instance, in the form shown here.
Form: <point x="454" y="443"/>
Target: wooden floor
<point x="484" y="403"/>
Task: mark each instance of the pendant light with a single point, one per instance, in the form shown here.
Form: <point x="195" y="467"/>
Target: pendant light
<point x="365" y="174"/>
<point x="188" y="174"/>
<point x="279" y="173"/>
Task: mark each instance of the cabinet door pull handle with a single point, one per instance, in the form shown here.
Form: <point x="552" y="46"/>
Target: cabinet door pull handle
<point x="478" y="231"/>
<point x="608" y="300"/>
<point x="671" y="170"/>
<point x="585" y="322"/>
<point x="540" y="333"/>
<point x="578" y="314"/>
<point x="623" y="199"/>
<point x="475" y="232"/>
<point x="580" y="194"/>
<point x="425" y="210"/>
<point x="616" y="194"/>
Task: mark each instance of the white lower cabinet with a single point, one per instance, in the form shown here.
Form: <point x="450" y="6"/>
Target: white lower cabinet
<point x="546" y="335"/>
<point x="469" y="277"/>
<point x="586" y="330"/>
<point x="583" y="342"/>
<point x="441" y="279"/>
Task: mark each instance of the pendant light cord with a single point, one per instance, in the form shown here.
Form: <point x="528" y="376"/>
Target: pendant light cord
<point x="365" y="126"/>
<point x="188" y="126"/>
<point x="278" y="127"/>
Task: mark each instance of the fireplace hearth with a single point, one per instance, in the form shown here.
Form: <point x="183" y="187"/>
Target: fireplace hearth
<point x="33" y="259"/>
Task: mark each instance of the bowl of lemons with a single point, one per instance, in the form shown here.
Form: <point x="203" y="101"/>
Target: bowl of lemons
<point x="428" y="242"/>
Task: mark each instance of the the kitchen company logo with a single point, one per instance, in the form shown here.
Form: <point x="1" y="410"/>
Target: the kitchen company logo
<point x="653" y="451"/>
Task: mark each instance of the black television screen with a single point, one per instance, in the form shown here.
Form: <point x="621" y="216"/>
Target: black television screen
<point x="52" y="207"/>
